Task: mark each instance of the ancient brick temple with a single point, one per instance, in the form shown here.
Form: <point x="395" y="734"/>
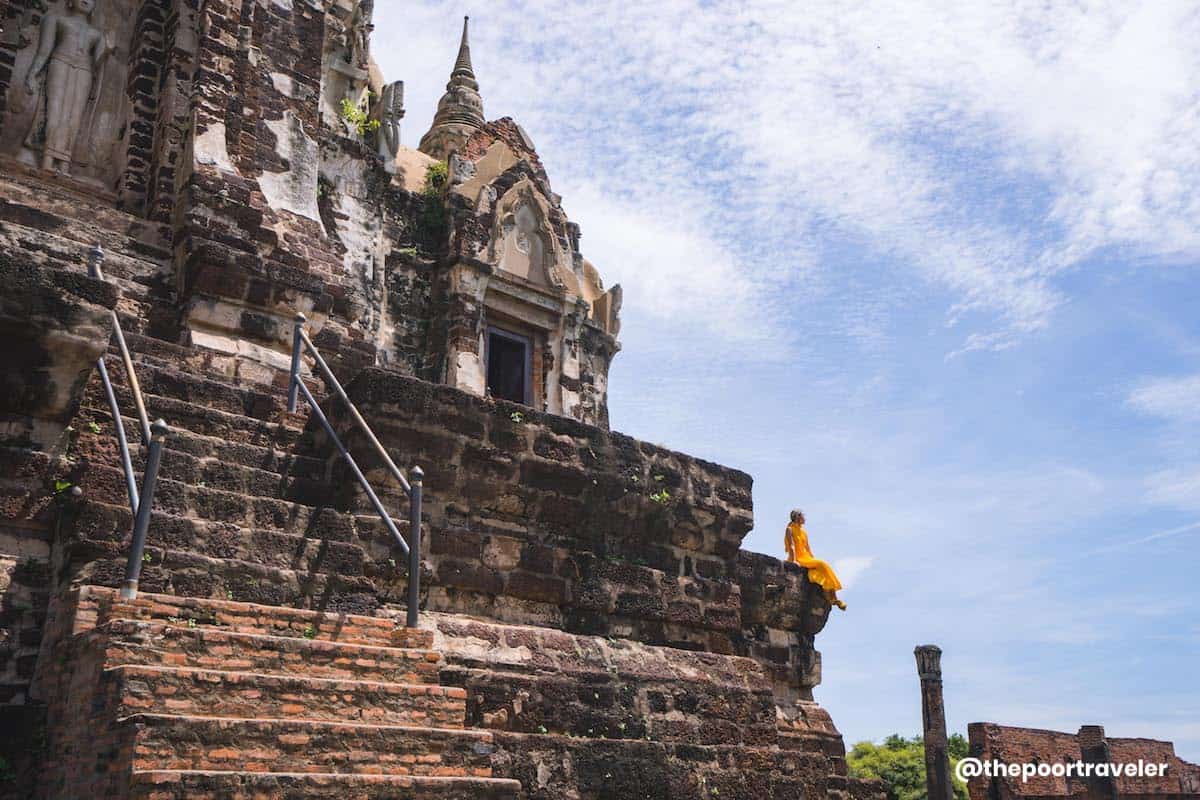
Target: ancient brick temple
<point x="195" y="174"/>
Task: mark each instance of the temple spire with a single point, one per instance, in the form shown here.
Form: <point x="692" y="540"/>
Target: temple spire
<point x="462" y="65"/>
<point x="460" y="111"/>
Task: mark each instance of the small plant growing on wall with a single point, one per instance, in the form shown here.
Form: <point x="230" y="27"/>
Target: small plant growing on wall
<point x="357" y="118"/>
<point x="432" y="225"/>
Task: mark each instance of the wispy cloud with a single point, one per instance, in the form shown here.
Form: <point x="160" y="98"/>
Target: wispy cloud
<point x="1177" y="487"/>
<point x="1169" y="533"/>
<point x="1173" y="399"/>
<point x="850" y="568"/>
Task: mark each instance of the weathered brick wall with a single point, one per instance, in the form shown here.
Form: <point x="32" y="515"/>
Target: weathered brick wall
<point x="68" y="681"/>
<point x="277" y="211"/>
<point x="1013" y="745"/>
<point x="24" y="591"/>
<point x="173" y="121"/>
<point x="538" y="519"/>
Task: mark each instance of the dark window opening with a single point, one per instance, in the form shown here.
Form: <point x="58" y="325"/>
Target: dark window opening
<point x="508" y="367"/>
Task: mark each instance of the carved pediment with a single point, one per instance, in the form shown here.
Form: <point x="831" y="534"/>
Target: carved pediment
<point x="522" y="242"/>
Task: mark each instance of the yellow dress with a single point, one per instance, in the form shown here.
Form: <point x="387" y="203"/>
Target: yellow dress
<point x="795" y="540"/>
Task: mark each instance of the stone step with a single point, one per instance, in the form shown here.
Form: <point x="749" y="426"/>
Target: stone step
<point x="172" y="382"/>
<point x="825" y="746"/>
<point x="106" y="484"/>
<point x="204" y="644"/>
<point x="261" y="620"/>
<point x="281" y="433"/>
<point x="196" y="785"/>
<point x="139" y="270"/>
<point x="55" y="210"/>
<point x="703" y="710"/>
<point x="214" y="693"/>
<point x="129" y="263"/>
<point x="160" y="353"/>
<point x="193" y="575"/>
<point x="279" y="463"/>
<point x="99" y="444"/>
<point x="103" y="529"/>
<point x="270" y="745"/>
<point x="150" y="347"/>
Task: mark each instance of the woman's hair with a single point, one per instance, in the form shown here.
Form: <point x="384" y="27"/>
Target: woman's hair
<point x="797" y="514"/>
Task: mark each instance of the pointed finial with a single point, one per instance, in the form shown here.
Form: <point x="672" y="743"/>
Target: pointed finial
<point x="462" y="64"/>
<point x="460" y="111"/>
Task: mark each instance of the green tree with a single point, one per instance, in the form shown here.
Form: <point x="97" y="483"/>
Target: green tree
<point x="900" y="764"/>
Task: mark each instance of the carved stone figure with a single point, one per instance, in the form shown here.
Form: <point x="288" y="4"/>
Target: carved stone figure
<point x="358" y="51"/>
<point x="70" y="52"/>
<point x="389" y="111"/>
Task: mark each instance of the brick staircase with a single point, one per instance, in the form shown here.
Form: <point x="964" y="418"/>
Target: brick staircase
<point x="196" y="698"/>
<point x="243" y="509"/>
<point x="230" y="684"/>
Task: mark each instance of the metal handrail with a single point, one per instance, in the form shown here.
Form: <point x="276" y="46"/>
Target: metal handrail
<point x="153" y="437"/>
<point x="412" y="489"/>
<point x="95" y="261"/>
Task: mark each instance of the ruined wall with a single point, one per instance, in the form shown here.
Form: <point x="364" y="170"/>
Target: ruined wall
<point x="539" y="519"/>
<point x="54" y="325"/>
<point x="1012" y="745"/>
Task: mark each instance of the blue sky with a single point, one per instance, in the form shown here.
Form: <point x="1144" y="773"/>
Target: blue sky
<point x="928" y="273"/>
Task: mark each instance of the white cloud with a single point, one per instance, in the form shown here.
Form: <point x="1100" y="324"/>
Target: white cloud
<point x="850" y="568"/>
<point x="1173" y="399"/>
<point x="1177" y="487"/>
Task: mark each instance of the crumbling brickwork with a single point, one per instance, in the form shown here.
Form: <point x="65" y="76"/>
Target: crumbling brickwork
<point x="538" y="519"/>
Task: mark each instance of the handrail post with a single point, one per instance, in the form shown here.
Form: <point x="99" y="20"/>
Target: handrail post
<point x="141" y="523"/>
<point x="417" y="475"/>
<point x="294" y="381"/>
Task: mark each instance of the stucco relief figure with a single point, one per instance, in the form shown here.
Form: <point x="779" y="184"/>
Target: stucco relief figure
<point x="358" y="53"/>
<point x="389" y="111"/>
<point x="524" y="250"/>
<point x="70" y="52"/>
<point x="795" y="540"/>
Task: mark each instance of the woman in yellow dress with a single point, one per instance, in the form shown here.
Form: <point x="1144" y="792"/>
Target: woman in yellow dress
<point x="795" y="540"/>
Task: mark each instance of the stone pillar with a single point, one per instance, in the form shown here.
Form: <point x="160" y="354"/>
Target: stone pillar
<point x="933" y="718"/>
